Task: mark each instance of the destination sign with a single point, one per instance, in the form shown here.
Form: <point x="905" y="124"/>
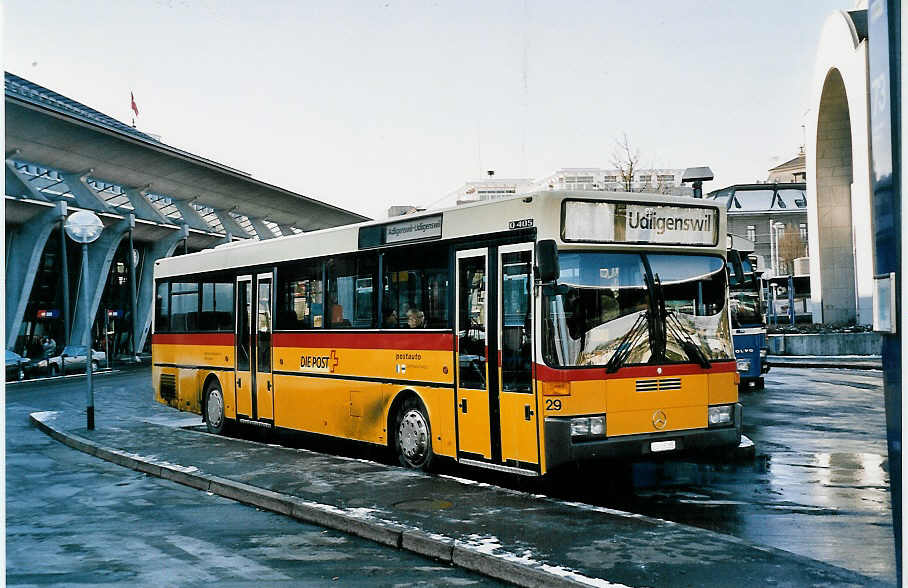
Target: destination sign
<point x="412" y="230"/>
<point x="670" y="224"/>
<point x="615" y="222"/>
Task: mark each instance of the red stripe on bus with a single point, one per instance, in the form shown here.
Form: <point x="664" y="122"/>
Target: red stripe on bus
<point x="426" y="341"/>
<point x="192" y="339"/>
<point x="548" y="374"/>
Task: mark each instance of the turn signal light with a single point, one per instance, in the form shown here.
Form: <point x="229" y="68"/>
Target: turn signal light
<point x="556" y="389"/>
<point x="737" y="378"/>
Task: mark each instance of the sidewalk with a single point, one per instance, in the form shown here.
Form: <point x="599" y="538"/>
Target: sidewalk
<point x="851" y="362"/>
<point x="522" y="538"/>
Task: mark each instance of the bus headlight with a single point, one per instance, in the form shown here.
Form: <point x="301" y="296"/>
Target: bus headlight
<point x="580" y="427"/>
<point x="720" y="415"/>
<point x="763" y="352"/>
<point x="597" y="426"/>
<point x="585" y="427"/>
<point x="743" y="365"/>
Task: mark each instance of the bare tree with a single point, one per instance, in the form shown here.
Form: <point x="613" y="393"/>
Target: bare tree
<point x="625" y="159"/>
<point x="790" y="248"/>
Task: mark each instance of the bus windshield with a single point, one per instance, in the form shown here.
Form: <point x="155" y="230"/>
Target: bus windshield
<point x="604" y="301"/>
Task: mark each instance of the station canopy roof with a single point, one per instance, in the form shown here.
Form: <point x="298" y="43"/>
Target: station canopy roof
<point x="45" y="127"/>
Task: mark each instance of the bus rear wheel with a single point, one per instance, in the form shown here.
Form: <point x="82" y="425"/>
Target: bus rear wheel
<point x="214" y="409"/>
<point x="413" y="436"/>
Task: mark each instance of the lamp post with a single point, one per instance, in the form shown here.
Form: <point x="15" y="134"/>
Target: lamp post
<point x="774" y="228"/>
<point x="85" y="227"/>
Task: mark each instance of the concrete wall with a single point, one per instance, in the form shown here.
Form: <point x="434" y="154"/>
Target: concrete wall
<point x="826" y="344"/>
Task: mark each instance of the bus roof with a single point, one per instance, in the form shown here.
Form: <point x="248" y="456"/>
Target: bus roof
<point x="541" y="211"/>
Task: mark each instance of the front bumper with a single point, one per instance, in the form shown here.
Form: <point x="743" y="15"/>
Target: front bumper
<point x="561" y="449"/>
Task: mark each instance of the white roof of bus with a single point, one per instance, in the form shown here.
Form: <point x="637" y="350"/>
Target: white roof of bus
<point x="477" y="218"/>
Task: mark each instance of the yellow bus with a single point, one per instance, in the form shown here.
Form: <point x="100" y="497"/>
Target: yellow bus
<point x="518" y="334"/>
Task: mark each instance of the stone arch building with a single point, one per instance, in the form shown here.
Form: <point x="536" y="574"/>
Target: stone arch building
<point x="838" y="173"/>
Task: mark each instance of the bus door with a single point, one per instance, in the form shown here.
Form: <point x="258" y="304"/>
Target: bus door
<point x="472" y="395"/>
<point x="263" y="381"/>
<point x="517" y="401"/>
<point x="245" y="347"/>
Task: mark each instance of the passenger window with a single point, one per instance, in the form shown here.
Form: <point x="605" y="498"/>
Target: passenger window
<point x="301" y="301"/>
<point x="351" y="296"/>
<point x="184" y="307"/>
<point x="223" y="307"/>
<point x="162" y="308"/>
<point x="217" y="307"/>
<point x="415" y="286"/>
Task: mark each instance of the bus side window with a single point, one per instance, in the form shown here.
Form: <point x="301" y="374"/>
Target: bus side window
<point x="341" y="276"/>
<point x="301" y="297"/>
<point x="162" y="308"/>
<point x="415" y="283"/>
<point x="217" y="307"/>
<point x="184" y="307"/>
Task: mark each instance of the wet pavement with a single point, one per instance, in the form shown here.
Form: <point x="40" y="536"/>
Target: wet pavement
<point x="819" y="485"/>
<point x="794" y="497"/>
<point x="73" y="519"/>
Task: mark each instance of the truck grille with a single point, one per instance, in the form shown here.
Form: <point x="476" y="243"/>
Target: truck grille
<point x="658" y="385"/>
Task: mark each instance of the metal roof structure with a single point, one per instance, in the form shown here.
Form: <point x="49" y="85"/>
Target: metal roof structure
<point x="60" y="149"/>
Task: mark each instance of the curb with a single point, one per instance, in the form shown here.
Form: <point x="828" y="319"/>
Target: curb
<point x="441" y="548"/>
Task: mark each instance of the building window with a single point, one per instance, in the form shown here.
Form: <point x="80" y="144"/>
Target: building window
<point x="752" y="232"/>
<point x="610" y="179"/>
<point x="644" y="178"/>
<point x="663" y="179"/>
<point x="802" y="228"/>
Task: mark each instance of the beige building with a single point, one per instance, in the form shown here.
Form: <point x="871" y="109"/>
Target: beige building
<point x="793" y="170"/>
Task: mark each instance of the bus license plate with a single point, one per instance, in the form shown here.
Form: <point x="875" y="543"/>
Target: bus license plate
<point x="657" y="446"/>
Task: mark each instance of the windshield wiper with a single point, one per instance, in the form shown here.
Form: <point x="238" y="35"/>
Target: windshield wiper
<point x="673" y="324"/>
<point x="627" y="344"/>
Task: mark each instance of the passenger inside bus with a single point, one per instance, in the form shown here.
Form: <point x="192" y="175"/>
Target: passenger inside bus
<point x="337" y="312"/>
<point x="416" y="319"/>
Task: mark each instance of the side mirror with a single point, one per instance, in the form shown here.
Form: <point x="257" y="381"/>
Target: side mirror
<point x="547" y="269"/>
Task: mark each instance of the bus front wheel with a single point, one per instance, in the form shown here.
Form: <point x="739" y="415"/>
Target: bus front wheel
<point x="214" y="409"/>
<point x="413" y="435"/>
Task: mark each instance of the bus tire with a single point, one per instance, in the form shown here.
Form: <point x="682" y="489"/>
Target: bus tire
<point x="214" y="409"/>
<point x="413" y="435"/>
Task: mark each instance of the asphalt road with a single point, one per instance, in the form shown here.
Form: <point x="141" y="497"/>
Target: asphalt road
<point x="818" y="487"/>
<point x="74" y="519"/>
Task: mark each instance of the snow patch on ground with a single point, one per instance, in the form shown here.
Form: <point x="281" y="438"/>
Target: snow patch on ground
<point x="160" y="462"/>
<point x="490" y="545"/>
<point x="175" y="421"/>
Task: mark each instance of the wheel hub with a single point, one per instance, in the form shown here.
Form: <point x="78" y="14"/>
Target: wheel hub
<point x="215" y="408"/>
<point x="413" y="435"/>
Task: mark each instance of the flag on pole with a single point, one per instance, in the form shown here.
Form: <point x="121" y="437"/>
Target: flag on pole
<point x="133" y="105"/>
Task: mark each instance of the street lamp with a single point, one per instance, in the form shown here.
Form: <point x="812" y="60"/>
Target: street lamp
<point x="85" y="227"/>
<point x="774" y="228"/>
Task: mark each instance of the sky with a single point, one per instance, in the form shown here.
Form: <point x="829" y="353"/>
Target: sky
<point x="368" y="104"/>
